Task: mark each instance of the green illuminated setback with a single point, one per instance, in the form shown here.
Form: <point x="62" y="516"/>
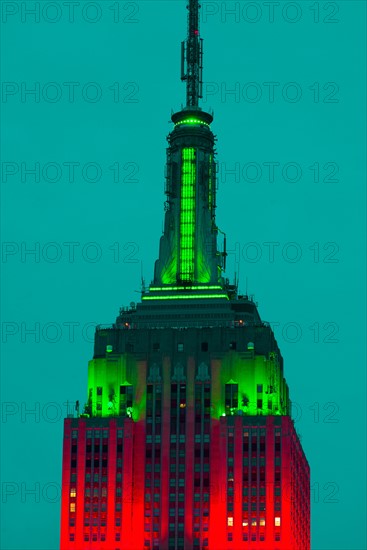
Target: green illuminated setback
<point x="187" y="214"/>
<point x="247" y="384"/>
<point x="251" y="386"/>
<point x="115" y="387"/>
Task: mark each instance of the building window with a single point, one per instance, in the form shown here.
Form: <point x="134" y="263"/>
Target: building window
<point x="230" y="522"/>
<point x="231" y="398"/>
<point x="259" y="388"/>
<point x="72" y="506"/>
<point x="204" y="346"/>
<point x="232" y="345"/>
<point x="277" y="521"/>
<point x="73" y="492"/>
<point x="180" y="347"/>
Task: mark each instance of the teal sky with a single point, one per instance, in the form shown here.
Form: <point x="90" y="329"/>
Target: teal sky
<point x="316" y="302"/>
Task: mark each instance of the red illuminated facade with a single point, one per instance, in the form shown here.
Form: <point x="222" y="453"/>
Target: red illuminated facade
<point x="186" y="440"/>
<point x="244" y="485"/>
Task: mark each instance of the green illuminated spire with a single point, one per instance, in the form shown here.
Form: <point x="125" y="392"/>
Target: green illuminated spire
<point x="224" y="340"/>
<point x="188" y="252"/>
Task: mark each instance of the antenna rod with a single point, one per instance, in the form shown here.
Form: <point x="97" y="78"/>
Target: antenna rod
<point x="192" y="57"/>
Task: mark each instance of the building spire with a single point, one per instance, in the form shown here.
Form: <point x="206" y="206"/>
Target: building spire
<point x="192" y="57"/>
<point x="188" y="252"/>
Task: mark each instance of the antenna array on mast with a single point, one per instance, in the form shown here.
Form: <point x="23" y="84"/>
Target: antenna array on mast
<point x="192" y="57"/>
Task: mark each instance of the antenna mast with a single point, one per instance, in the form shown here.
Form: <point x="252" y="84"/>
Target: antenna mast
<point x="192" y="57"/>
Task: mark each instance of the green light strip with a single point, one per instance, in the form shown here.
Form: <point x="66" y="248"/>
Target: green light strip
<point x="187" y="214"/>
<point x="192" y="121"/>
<point x="188" y="297"/>
<point x="170" y="288"/>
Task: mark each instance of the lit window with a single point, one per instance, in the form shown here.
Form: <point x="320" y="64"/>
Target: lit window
<point x="72" y="507"/>
<point x="73" y="492"/>
<point x="230" y="522"/>
<point x="277" y="522"/>
<point x="262" y="522"/>
<point x="180" y="347"/>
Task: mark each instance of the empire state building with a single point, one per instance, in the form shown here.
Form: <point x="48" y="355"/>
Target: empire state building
<point x="186" y="440"/>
